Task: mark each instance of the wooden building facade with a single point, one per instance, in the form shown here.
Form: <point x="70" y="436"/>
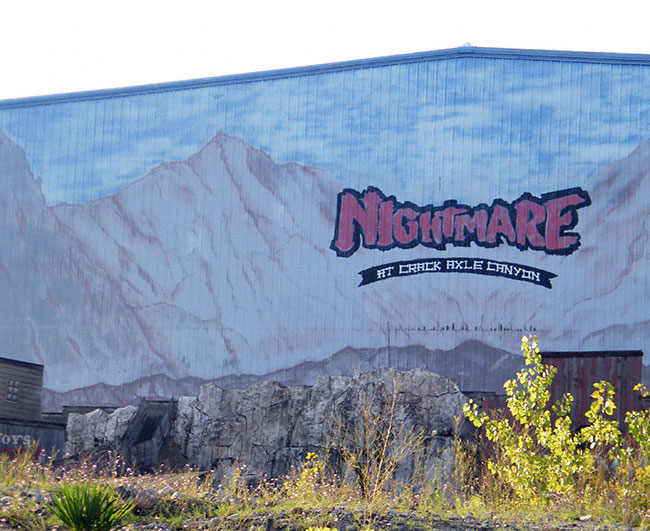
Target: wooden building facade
<point x="577" y="372"/>
<point x="21" y="386"/>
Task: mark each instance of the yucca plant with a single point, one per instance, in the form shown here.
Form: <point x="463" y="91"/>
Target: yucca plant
<point x="88" y="507"/>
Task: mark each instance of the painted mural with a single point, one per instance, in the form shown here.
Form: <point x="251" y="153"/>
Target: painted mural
<point x="422" y="210"/>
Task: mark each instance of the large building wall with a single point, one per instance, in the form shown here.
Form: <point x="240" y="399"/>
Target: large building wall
<point x="423" y="210"/>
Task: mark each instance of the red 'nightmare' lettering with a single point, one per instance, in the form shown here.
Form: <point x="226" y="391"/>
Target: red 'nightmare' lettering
<point x="374" y="221"/>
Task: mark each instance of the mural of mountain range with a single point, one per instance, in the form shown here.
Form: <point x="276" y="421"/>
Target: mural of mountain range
<point x="219" y="268"/>
<point x="485" y="372"/>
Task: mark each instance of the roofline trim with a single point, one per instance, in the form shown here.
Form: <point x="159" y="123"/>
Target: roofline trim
<point x="591" y="354"/>
<point x="10" y="361"/>
<point x="451" y="53"/>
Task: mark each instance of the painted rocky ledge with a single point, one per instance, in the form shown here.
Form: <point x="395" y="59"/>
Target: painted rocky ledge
<point x="270" y="427"/>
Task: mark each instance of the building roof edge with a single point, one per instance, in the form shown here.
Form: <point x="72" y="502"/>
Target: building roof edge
<point x="451" y="53"/>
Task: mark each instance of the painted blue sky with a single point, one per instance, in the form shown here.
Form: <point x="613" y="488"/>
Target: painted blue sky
<point x="469" y="128"/>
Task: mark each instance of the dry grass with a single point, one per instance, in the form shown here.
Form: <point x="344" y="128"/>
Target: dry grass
<point x="187" y="499"/>
<point x="313" y="496"/>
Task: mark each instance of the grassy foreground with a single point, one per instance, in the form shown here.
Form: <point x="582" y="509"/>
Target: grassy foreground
<point x="525" y="469"/>
<point x="306" y="500"/>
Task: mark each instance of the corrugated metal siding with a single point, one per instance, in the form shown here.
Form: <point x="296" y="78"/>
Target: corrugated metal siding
<point x="141" y="294"/>
<point x="378" y="119"/>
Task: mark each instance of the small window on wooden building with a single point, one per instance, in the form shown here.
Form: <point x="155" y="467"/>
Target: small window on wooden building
<point x="12" y="390"/>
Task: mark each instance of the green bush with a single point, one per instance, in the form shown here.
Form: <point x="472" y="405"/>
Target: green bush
<point x="88" y="507"/>
<point x="536" y="454"/>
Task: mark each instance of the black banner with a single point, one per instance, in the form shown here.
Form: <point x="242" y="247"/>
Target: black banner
<point x="478" y="266"/>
